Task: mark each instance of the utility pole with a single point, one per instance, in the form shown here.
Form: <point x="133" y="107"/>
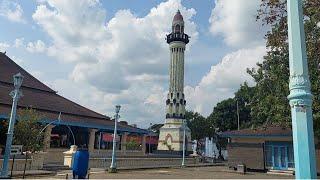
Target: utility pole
<point x="238" y="115"/>
<point x="150" y="138"/>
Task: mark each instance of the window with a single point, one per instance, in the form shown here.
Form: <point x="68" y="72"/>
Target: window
<point x="168" y="101"/>
<point x="167" y="115"/>
<point x="268" y="151"/>
<point x="290" y="157"/>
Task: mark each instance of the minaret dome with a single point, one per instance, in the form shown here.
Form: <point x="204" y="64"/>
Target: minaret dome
<point x="178" y="23"/>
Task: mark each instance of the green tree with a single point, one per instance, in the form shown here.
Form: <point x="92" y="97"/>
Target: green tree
<point x="270" y="104"/>
<point x="200" y="127"/>
<point x="224" y="115"/>
<point x="132" y="145"/>
<point x="244" y="97"/>
<point x="27" y="130"/>
<point x="3" y="131"/>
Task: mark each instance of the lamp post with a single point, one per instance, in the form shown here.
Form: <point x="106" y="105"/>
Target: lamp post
<point x="184" y="144"/>
<point x="300" y="95"/>
<point x="113" y="166"/>
<point x="15" y="94"/>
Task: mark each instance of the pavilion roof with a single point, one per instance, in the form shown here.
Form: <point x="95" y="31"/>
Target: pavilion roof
<point x="40" y="97"/>
<point x="259" y="132"/>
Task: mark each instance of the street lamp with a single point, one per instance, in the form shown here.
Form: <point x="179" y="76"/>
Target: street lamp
<point x="113" y="166"/>
<point x="15" y="94"/>
<point x="300" y="95"/>
<point x="184" y="144"/>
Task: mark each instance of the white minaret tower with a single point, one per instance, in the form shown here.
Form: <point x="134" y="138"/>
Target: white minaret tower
<point x="171" y="134"/>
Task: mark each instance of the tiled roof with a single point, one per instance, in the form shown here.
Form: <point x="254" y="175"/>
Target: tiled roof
<point x="261" y="132"/>
<point x="177" y="17"/>
<point x="8" y="68"/>
<point x="45" y="100"/>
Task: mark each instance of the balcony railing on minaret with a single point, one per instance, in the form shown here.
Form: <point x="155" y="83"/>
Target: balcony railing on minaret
<point x="177" y="37"/>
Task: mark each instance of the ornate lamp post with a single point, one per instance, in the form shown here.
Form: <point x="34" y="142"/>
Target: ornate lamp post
<point x="184" y="144"/>
<point x="15" y="94"/>
<point x="300" y="96"/>
<point x="113" y="166"/>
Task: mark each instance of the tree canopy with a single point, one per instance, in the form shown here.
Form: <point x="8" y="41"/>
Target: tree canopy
<point x="266" y="102"/>
<point x="27" y="130"/>
<point x="270" y="104"/>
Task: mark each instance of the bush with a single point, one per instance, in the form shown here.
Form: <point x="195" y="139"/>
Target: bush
<point x="132" y="145"/>
<point x="27" y="130"/>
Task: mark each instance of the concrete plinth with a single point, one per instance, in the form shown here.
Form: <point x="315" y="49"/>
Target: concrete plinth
<point x="68" y="156"/>
<point x="171" y="137"/>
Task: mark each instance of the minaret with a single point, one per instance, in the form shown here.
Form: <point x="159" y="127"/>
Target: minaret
<point x="171" y="134"/>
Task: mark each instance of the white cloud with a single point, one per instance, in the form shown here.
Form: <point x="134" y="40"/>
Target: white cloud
<point x="12" y="11"/>
<point x="19" y="42"/>
<point x="236" y="21"/>
<point x="223" y="79"/>
<point x="124" y="60"/>
<point x="36" y="47"/>
<point x="4" y="46"/>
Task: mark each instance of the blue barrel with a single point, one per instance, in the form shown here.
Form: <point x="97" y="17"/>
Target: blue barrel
<point x="80" y="164"/>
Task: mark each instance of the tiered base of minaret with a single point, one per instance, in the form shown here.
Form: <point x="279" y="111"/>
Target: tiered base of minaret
<point x="171" y="136"/>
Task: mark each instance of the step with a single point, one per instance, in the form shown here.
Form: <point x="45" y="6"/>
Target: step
<point x="55" y="167"/>
<point x="281" y="172"/>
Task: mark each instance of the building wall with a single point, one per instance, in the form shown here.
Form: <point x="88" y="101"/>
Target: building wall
<point x="318" y="158"/>
<point x="250" y="151"/>
<point x="132" y="163"/>
<point x="55" y="155"/>
<point x="250" y="154"/>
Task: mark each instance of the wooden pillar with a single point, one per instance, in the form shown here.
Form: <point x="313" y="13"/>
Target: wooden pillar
<point x="124" y="141"/>
<point x="92" y="137"/>
<point x="143" y="143"/>
<point x="47" y="138"/>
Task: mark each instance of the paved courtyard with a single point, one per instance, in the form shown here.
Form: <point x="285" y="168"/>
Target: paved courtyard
<point x="213" y="172"/>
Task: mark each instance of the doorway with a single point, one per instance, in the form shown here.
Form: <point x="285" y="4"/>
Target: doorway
<point x="279" y="155"/>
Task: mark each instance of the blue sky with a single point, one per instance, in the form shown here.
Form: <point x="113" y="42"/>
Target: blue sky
<point x="114" y="51"/>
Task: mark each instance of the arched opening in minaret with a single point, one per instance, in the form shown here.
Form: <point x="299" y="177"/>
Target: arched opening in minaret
<point x="177" y="29"/>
